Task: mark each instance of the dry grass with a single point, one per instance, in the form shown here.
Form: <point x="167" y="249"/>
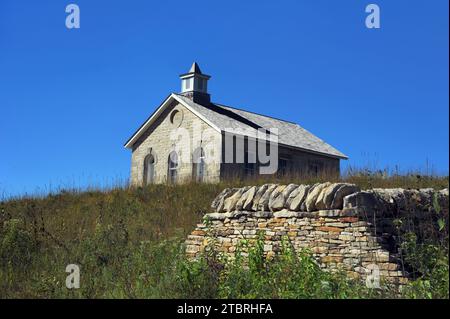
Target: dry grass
<point x="126" y="238"/>
<point x="161" y="211"/>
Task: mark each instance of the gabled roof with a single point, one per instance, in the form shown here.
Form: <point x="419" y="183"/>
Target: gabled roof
<point x="236" y="121"/>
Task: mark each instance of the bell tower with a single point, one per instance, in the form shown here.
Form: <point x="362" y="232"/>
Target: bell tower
<point x="194" y="85"/>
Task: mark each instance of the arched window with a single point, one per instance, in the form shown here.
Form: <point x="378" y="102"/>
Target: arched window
<point x="172" y="167"/>
<point x="149" y="169"/>
<point x="198" y="165"/>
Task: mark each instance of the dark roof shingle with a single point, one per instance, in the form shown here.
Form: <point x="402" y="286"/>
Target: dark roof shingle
<point x="232" y="120"/>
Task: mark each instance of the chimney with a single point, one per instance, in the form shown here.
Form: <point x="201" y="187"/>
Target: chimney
<point x="194" y="85"/>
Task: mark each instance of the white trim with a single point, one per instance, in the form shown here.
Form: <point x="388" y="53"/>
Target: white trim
<point x="158" y="112"/>
<point x="185" y="76"/>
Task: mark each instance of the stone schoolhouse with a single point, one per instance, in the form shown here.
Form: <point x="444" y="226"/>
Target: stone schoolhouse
<point x="190" y="137"/>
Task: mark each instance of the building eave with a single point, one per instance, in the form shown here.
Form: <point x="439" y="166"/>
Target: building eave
<point x="306" y="150"/>
<point x="343" y="157"/>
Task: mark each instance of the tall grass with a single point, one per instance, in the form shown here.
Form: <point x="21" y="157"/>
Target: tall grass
<point x="128" y="243"/>
<point x="113" y="267"/>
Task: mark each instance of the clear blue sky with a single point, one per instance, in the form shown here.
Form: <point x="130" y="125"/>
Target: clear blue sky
<point x="69" y="99"/>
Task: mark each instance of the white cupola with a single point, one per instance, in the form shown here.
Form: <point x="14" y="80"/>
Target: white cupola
<point x="194" y="85"/>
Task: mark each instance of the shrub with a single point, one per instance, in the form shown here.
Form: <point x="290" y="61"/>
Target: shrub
<point x="16" y="245"/>
<point x="429" y="264"/>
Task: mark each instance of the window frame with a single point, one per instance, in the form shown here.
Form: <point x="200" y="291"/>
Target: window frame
<point x="147" y="166"/>
<point x="172" y="171"/>
<point x="187" y="84"/>
<point x="198" y="165"/>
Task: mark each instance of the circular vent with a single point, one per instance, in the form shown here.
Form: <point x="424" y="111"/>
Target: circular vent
<point x="176" y="117"/>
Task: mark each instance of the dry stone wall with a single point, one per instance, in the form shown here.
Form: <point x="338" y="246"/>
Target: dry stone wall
<point x="343" y="226"/>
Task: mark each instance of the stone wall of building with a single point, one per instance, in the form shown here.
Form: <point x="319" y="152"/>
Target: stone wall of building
<point x="156" y="140"/>
<point x="298" y="162"/>
<point x="344" y="227"/>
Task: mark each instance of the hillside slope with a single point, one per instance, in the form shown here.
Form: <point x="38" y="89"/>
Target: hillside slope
<point x="123" y="239"/>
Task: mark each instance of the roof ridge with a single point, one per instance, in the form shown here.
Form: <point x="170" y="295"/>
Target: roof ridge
<point x="214" y="108"/>
<point x="271" y="117"/>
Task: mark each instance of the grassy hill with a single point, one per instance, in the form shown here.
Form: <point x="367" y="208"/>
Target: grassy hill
<point x="127" y="242"/>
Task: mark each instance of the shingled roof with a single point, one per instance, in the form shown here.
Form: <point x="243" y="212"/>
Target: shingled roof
<point x="236" y="121"/>
<point x="233" y="120"/>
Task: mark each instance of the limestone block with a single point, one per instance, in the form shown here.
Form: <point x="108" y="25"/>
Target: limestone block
<point x="263" y="203"/>
<point x="392" y="199"/>
<point x="341" y="192"/>
<point x="259" y="193"/>
<point x="285" y="214"/>
<point x="442" y="198"/>
<point x="230" y="202"/>
<point x="219" y="201"/>
<point x="301" y="193"/>
<point x="249" y="200"/>
<point x="291" y="196"/>
<point x="247" y="195"/>
<point x="310" y="201"/>
<point x="365" y="200"/>
<point x="275" y="196"/>
<point x="329" y="213"/>
<point x="326" y="196"/>
<point x="278" y="199"/>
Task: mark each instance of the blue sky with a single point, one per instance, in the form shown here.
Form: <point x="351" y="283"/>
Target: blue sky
<point x="69" y="99"/>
